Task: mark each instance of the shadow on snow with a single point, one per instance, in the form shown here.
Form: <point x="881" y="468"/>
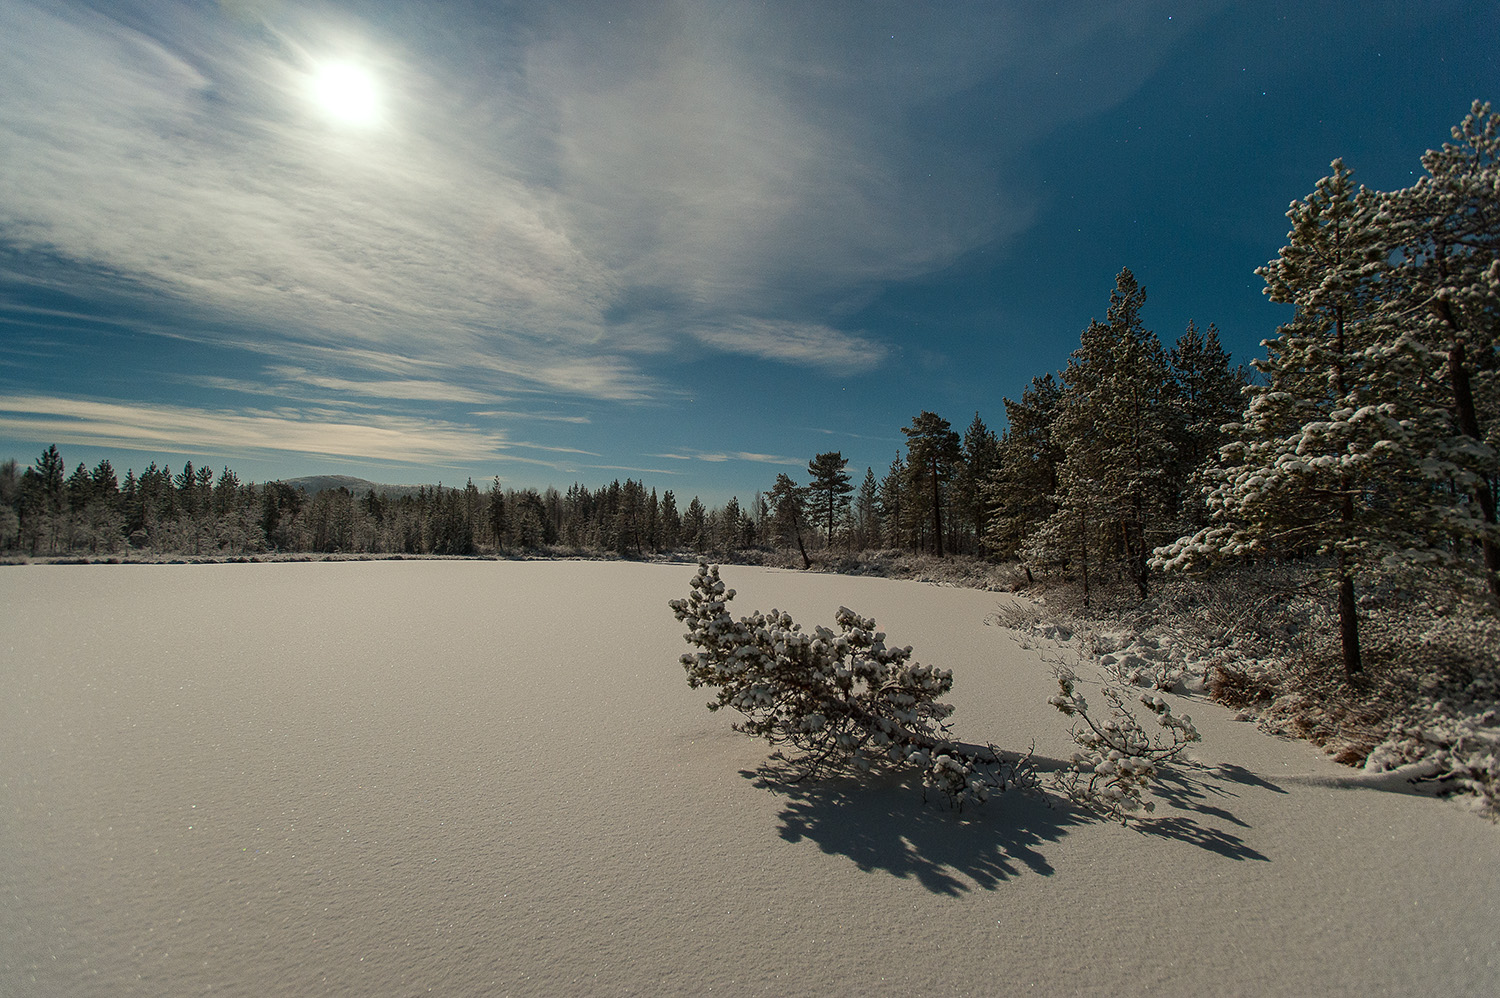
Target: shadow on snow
<point x="885" y="823"/>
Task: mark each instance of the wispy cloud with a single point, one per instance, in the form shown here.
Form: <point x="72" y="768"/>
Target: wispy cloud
<point x="852" y="436"/>
<point x="551" y="203"/>
<point x="184" y="429"/>
<point x="543" y="417"/>
<point x="554" y="449"/>
<point x="427" y="391"/>
<point x="184" y="156"/>
<point x="796" y="343"/>
<point x="720" y="457"/>
<point x="632" y="469"/>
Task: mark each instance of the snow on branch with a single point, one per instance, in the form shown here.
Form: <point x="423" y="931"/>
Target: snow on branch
<point x="1118" y="759"/>
<point x="835" y="699"/>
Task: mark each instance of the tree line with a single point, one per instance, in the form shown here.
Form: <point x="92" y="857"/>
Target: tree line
<point x="46" y="511"/>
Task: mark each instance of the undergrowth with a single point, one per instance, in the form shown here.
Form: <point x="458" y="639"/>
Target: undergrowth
<point x="1261" y="640"/>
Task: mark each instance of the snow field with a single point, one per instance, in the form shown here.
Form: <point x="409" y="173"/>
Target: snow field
<point x="491" y="778"/>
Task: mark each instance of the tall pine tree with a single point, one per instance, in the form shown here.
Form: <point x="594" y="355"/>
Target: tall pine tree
<point x="1322" y="460"/>
<point x="1448" y="271"/>
<point x="1115" y="494"/>
<point x="932" y="452"/>
<point x="828" y="490"/>
<point x="1209" y="396"/>
<point x="1019" y="491"/>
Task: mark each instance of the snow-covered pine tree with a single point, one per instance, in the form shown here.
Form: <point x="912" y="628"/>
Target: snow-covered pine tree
<point x="1114" y="427"/>
<point x="1448" y="227"/>
<point x="1210" y="395"/>
<point x="835" y="699"/>
<point x="1019" y="491"/>
<point x="1323" y="462"/>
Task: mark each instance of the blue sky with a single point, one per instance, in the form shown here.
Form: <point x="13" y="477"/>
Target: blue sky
<point x="689" y="243"/>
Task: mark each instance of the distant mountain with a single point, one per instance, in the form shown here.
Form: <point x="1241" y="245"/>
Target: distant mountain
<point x="313" y="484"/>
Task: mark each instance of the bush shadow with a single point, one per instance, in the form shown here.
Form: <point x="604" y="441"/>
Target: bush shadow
<point x="886" y="823"/>
<point x="883" y="823"/>
<point x="1195" y="791"/>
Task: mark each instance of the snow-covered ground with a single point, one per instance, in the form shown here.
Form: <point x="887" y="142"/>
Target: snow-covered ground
<point x="465" y="778"/>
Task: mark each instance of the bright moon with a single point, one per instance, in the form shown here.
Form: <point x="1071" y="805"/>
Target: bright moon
<point x="347" y="93"/>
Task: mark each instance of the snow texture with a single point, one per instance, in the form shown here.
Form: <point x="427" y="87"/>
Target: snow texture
<point x="490" y="778"/>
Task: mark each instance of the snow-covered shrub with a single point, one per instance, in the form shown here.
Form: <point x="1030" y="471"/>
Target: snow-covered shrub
<point x="1450" y="733"/>
<point x="1461" y="753"/>
<point x="1118" y="759"/>
<point x="834" y="699"/>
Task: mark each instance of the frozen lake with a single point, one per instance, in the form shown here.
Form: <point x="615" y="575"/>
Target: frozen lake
<point x="390" y="778"/>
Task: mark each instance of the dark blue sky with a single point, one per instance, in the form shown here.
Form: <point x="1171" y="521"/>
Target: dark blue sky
<point x="694" y="243"/>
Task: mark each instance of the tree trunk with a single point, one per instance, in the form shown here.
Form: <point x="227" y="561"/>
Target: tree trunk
<point x="1135" y="556"/>
<point x="1468" y="422"/>
<point x="937" y="510"/>
<point x="806" y="561"/>
<point x="1349" y="626"/>
<point x="1083" y="556"/>
<point x="1348" y="609"/>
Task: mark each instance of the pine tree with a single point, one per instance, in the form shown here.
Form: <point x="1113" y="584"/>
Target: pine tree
<point x="49" y="475"/>
<point x="41" y="501"/>
<point x="1019" y="492"/>
<point x="1321" y="461"/>
<point x="79" y="488"/>
<point x="186" y="484"/>
<point x="980" y="457"/>
<point x="695" y="525"/>
<point x="629" y="526"/>
<point x="828" y="490"/>
<point x="893" y="506"/>
<point x="1209" y="396"/>
<point x="788" y="514"/>
<point x="1115" y="495"/>
<point x="226" y="493"/>
<point x="731" y="525"/>
<point x="528" y="519"/>
<point x="671" y="521"/>
<point x="495" y="514"/>
<point x="653" y="522"/>
<point x="932" y="452"/>
<point x="867" y="510"/>
<point x="10" y="488"/>
<point x="1210" y="393"/>
<point x="1448" y="227"/>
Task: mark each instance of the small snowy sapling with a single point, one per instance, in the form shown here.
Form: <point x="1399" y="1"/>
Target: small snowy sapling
<point x="835" y="699"/>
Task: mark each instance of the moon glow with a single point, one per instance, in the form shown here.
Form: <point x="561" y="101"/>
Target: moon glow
<point x="346" y="93"/>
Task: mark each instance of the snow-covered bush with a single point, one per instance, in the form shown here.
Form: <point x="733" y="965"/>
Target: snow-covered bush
<point x="1118" y="758"/>
<point x="1460" y="754"/>
<point x="834" y="699"/>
